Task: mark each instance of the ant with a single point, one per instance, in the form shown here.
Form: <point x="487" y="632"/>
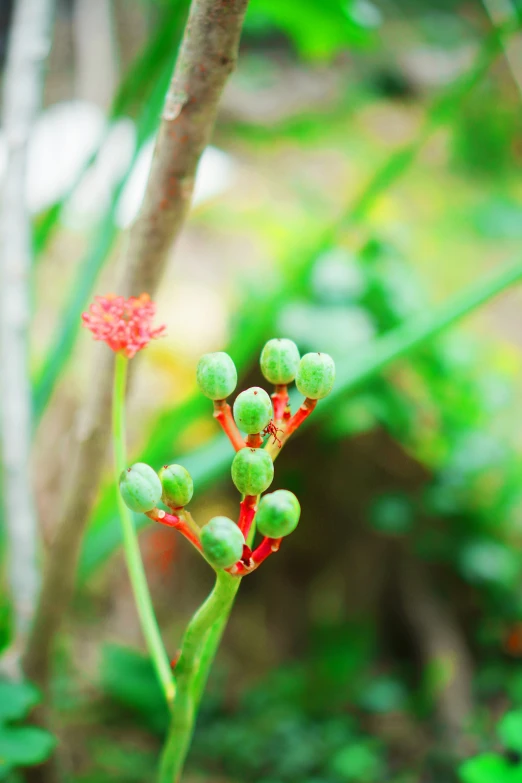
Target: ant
<point x="272" y="430"/>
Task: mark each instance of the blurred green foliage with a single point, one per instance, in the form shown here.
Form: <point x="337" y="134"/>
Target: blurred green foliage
<point x="312" y="721"/>
<point x="20" y="746"/>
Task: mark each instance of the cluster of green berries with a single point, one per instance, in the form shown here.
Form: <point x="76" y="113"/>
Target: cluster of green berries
<point x="142" y="489"/>
<point x="222" y="541"/>
<point x="314" y="373"/>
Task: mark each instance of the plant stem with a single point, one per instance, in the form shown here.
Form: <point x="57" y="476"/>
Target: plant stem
<point x="223" y="414"/>
<point x="137" y="576"/>
<point x="191" y="672"/>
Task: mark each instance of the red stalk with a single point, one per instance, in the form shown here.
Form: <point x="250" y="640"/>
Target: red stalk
<point x="223" y="414"/>
<point x="266" y="548"/>
<point x="254" y="441"/>
<point x="170" y="520"/>
<point x="299" y="416"/>
<point x="280" y="402"/>
<point x="247" y="512"/>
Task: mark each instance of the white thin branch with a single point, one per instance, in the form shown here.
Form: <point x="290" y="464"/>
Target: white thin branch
<point x="28" y="46"/>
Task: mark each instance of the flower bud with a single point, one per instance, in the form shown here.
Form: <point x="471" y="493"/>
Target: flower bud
<point x="278" y="514"/>
<point x="222" y="542"/>
<point x="316" y="375"/>
<point x="252" y="471"/>
<point x="279" y="361"/>
<point x="216" y="375"/>
<point x="140" y="487"/>
<point x="178" y="486"/>
<point x="253" y="410"/>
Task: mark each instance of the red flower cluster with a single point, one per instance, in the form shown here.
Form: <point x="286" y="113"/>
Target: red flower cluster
<point x="124" y="324"/>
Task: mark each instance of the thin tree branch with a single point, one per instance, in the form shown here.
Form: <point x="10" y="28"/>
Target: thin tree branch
<point x="207" y="57"/>
<point x="29" y="44"/>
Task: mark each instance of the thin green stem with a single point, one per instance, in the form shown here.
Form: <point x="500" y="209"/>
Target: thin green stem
<point x="198" y="649"/>
<point x="131" y="547"/>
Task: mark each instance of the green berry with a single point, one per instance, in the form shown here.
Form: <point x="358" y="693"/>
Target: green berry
<point x="222" y="542"/>
<point x="316" y="375"/>
<point x="140" y="487"/>
<point x="278" y="514"/>
<point x="252" y="471"/>
<point x="279" y="361"/>
<point x="216" y="375"/>
<point x="178" y="486"/>
<point x="253" y="410"/>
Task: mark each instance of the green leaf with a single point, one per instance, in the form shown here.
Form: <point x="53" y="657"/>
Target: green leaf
<point x="510" y="730"/>
<point x="16" y="699"/>
<point x="318" y="30"/>
<point x="489" y="768"/>
<point x="392" y="514"/>
<point x="25" y="746"/>
<point x="384" y="695"/>
<point x="129" y="678"/>
<point x="357" y="763"/>
<point x="485" y="561"/>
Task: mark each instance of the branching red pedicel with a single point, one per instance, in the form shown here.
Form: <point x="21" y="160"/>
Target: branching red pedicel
<point x="280" y="400"/>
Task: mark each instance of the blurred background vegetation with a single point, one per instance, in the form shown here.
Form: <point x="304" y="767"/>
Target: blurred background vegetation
<point x="365" y="167"/>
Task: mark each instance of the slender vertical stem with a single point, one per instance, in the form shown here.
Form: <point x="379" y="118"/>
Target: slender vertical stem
<point x="247" y="512"/>
<point x="192" y="669"/>
<point x="137" y="576"/>
<point x="280" y="402"/>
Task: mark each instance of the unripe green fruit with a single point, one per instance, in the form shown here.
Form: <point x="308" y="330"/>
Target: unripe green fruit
<point x="252" y="471"/>
<point x="253" y="410"/>
<point x="316" y="375"/>
<point x="222" y="542"/>
<point x="178" y="486"/>
<point x="278" y="514"/>
<point x="216" y="375"/>
<point x="140" y="487"/>
<point x="279" y="361"/>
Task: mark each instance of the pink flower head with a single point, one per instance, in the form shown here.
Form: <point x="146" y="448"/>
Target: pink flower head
<point x="124" y="324"/>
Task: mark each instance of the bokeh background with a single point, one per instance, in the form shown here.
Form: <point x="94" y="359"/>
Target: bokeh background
<point x="365" y="168"/>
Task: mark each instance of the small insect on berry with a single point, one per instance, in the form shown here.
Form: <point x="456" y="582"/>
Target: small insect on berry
<point x="272" y="430"/>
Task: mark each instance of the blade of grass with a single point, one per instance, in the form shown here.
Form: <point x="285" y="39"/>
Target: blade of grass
<point x="133" y="95"/>
<point x="90" y="267"/>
